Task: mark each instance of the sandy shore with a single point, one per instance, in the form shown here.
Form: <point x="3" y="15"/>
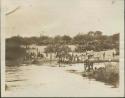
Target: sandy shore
<point x="45" y="81"/>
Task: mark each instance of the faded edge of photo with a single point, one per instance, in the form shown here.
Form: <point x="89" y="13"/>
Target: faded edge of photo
<point x="122" y="63"/>
<point x="121" y="68"/>
<point x="2" y="48"/>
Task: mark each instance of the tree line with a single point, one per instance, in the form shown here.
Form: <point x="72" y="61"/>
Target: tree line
<point x="91" y="41"/>
<point x="80" y="39"/>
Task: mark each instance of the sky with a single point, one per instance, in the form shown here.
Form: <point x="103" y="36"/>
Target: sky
<point x="63" y="17"/>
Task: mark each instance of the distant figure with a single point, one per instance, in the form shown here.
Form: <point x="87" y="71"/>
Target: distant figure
<point x="113" y="54"/>
<point x="91" y="65"/>
<point x="95" y="68"/>
<point x="88" y="65"/>
<point x="47" y="54"/>
<point x="104" y="55"/>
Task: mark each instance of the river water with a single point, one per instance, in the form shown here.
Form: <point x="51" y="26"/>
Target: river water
<point x="53" y="81"/>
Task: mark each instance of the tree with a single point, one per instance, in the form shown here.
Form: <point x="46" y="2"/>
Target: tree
<point x="15" y="40"/>
<point x="57" y="39"/>
<point x="50" y="49"/>
<point x="79" y="39"/>
<point x="115" y="37"/>
<point x="66" y="39"/>
<point x="14" y="52"/>
<point x="57" y="48"/>
<point x="32" y="40"/>
<point x="91" y="33"/>
<point x="98" y="34"/>
<point x="44" y="40"/>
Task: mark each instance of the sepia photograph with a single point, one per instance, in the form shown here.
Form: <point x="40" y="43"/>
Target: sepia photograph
<point x="62" y="48"/>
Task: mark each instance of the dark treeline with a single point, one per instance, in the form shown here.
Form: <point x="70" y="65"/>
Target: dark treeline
<point x="90" y="41"/>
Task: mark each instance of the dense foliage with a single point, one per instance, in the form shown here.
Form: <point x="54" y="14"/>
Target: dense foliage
<point x="59" y="44"/>
<point x="90" y="41"/>
<point x="13" y="49"/>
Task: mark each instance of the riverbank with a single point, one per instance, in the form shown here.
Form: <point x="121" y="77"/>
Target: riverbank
<point x="107" y="72"/>
<point x="48" y="81"/>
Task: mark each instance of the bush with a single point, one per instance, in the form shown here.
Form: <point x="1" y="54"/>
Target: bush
<point x="14" y="53"/>
<point x="109" y="74"/>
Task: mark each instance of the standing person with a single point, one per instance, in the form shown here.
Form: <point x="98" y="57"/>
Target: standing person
<point x="104" y="55"/>
<point x="85" y="64"/>
<point x="113" y="54"/>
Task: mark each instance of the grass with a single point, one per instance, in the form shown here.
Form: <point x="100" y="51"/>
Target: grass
<point x="108" y="74"/>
